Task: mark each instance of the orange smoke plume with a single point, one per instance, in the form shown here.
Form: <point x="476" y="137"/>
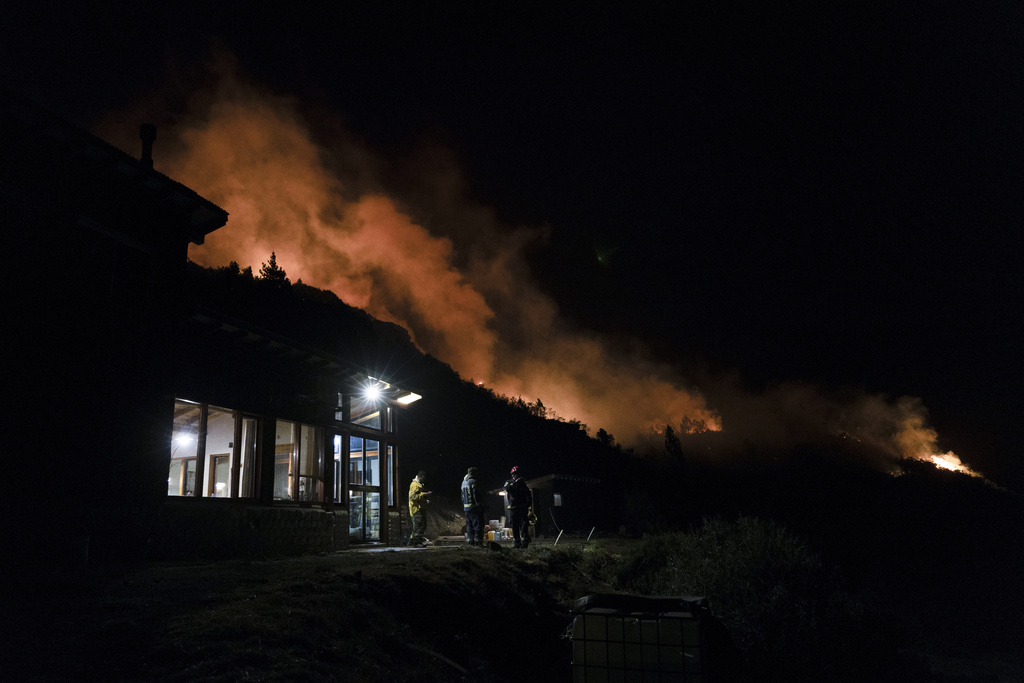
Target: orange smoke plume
<point x="401" y="240"/>
<point x="460" y="287"/>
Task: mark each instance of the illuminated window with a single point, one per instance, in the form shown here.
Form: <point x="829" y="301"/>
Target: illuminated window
<point x="363" y="468"/>
<point x="558" y="499"/>
<point x="213" y="452"/>
<point x="311" y="464"/>
<point x="247" y="460"/>
<point x="340" y="444"/>
<point x="220" y="435"/>
<point x="366" y="412"/>
<point x="392" y="501"/>
<point x="181" y="479"/>
<point x="298" y="462"/>
<point x="286" y="455"/>
<point x="364" y="516"/>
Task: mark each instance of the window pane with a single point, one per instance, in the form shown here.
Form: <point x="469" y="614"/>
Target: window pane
<point x="363" y="516"/>
<point x="366" y="412"/>
<point x="247" y="453"/>
<point x="355" y="515"/>
<point x="339" y="471"/>
<point x="355" y="460"/>
<point x="372" y="473"/>
<point x="220" y="433"/>
<point x="190" y="476"/>
<point x="174" y="478"/>
<point x="391" y="477"/>
<point x="220" y="473"/>
<point x="184" y="445"/>
<point x="372" y="516"/>
<point x="311" y="464"/>
<point x="285" y="457"/>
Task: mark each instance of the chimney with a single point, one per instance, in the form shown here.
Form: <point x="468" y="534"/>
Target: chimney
<point x="147" y="132"/>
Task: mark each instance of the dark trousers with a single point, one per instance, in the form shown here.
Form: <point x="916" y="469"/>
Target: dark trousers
<point x="475" y="525"/>
<point x="419" y="527"/>
<point x="519" y="520"/>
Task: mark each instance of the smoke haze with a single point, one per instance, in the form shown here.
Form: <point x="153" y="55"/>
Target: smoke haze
<point x="402" y="240"/>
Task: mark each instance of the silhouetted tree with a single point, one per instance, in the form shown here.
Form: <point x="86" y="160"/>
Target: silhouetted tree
<point x="273" y="273"/>
<point x="538" y="409"/>
<point x="605" y="438"/>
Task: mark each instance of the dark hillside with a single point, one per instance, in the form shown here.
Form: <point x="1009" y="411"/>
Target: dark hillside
<point x="456" y="425"/>
<point x="938" y="548"/>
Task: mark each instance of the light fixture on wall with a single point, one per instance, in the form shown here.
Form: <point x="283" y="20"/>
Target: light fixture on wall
<point x="371" y="392"/>
<point x="375" y="389"/>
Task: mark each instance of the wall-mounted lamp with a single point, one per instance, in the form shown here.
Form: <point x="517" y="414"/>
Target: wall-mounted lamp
<point x="408" y="397"/>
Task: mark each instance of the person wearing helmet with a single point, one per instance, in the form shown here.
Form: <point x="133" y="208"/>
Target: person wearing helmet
<point x="520" y="502"/>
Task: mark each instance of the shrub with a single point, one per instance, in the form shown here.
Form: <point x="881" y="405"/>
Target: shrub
<point x="784" y="613"/>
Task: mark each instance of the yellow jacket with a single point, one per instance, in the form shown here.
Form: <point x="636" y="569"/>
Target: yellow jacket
<point x="417" y="501"/>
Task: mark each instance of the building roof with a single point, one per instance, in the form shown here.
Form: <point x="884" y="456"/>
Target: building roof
<point x="226" y="331"/>
<point x="41" y="149"/>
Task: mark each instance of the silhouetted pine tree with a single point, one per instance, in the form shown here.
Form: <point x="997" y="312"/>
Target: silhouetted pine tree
<point x="273" y="273"/>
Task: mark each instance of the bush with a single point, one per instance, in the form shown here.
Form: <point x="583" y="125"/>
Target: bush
<point x="786" y="615"/>
<point x="764" y="583"/>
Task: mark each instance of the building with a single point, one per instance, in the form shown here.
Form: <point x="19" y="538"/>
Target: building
<point x="277" y="446"/>
<point x="566" y="503"/>
<point x="142" y="422"/>
<point x="569" y="503"/>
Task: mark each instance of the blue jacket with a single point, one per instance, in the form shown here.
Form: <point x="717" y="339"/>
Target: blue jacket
<point x="470" y="494"/>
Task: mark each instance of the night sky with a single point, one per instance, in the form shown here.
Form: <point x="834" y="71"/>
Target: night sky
<point x="777" y="189"/>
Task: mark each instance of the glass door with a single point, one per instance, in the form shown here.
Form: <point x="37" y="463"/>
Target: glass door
<point x="363" y="486"/>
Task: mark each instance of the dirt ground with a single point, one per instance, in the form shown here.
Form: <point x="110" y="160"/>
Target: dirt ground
<point x="434" y="614"/>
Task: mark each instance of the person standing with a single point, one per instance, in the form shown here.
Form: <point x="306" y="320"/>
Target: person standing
<point x="418" y="509"/>
<point x="520" y="502"/>
<point x="473" y="506"/>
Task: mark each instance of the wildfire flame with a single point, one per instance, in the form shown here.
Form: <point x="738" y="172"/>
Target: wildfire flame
<point x="949" y="461"/>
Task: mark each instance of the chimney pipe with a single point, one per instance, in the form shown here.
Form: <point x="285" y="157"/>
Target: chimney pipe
<point x="147" y="132"/>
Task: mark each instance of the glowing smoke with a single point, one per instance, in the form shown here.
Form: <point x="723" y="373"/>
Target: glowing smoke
<point x="462" y="288"/>
<point x="879" y="429"/>
<point x="414" y="250"/>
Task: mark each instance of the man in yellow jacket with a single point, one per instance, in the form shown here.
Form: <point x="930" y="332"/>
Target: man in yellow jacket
<point x="418" y="509"/>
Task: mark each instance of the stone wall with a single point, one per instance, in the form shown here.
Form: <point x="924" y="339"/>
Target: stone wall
<point x="395" y="528"/>
<point x="222" y="529"/>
